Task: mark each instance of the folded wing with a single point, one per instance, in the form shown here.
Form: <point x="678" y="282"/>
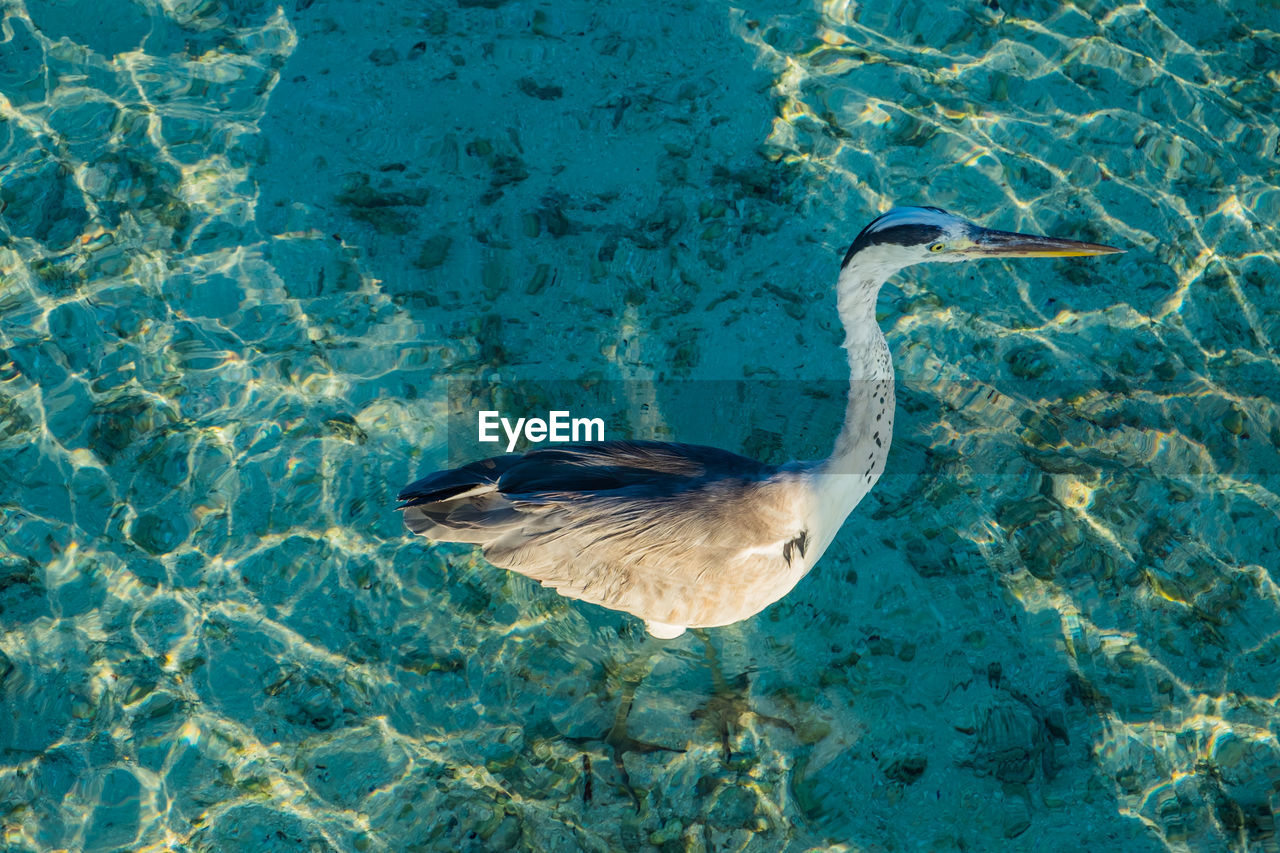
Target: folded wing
<point x="674" y="533"/>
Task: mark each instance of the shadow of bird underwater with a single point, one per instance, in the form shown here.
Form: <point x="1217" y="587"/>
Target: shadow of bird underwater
<point x="686" y="536"/>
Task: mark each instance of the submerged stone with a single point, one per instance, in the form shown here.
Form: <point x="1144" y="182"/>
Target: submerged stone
<point x="43" y="205"/>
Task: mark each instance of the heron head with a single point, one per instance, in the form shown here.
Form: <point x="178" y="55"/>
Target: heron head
<point x="912" y="235"/>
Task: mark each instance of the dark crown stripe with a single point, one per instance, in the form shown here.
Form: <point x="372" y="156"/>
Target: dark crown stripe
<point x="878" y="233"/>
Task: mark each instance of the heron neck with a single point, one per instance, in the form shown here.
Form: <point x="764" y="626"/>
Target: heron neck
<point x="863" y="443"/>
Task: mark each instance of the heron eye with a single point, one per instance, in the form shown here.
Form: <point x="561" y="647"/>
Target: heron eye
<point x="937" y="247"/>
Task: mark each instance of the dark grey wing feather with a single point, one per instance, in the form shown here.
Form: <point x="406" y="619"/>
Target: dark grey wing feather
<point x="459" y="504"/>
<point x="443" y="485"/>
<point x="623" y="465"/>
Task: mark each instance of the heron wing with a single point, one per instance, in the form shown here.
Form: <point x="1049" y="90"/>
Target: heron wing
<point x="605" y="466"/>
<point x="671" y="532"/>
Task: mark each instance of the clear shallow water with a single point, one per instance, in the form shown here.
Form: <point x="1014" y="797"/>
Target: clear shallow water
<point x="248" y="247"/>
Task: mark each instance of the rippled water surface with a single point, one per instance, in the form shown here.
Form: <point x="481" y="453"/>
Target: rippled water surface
<point x="257" y="258"/>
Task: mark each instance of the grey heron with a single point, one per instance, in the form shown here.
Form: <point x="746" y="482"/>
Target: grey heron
<point x="686" y="536"/>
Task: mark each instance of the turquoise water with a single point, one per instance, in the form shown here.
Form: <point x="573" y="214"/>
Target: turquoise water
<point x="256" y="257"/>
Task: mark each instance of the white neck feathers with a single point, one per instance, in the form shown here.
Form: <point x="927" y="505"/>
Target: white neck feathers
<point x="857" y="460"/>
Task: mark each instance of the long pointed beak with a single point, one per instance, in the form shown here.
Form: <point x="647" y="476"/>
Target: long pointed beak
<point x="1007" y="244"/>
